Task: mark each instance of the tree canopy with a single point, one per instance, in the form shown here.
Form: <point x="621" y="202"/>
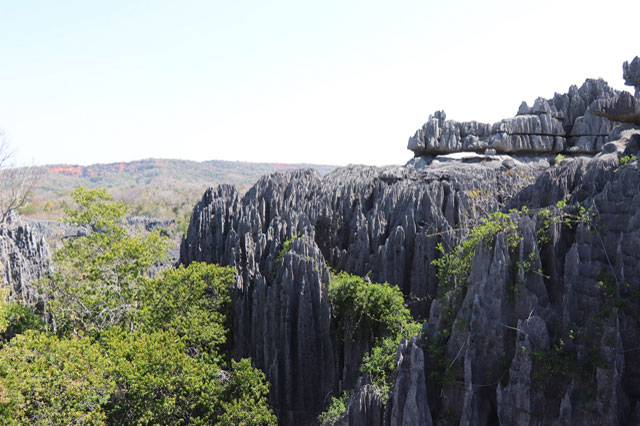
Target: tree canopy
<point x="121" y="347"/>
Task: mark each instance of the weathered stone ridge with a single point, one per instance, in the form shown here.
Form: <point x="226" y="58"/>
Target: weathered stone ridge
<point x="379" y="221"/>
<point x="544" y="331"/>
<point x="547" y="331"/>
<point x="569" y="123"/>
<point x="24" y="257"/>
<point x="631" y="74"/>
<point x="387" y="222"/>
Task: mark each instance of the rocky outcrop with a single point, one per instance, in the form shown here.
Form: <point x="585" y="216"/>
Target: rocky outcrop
<point x="385" y="222"/>
<point x="410" y="404"/>
<point x="543" y="331"/>
<point x="366" y="406"/>
<point x="24" y="257"/>
<point x="624" y="108"/>
<point x="631" y="74"/>
<point x="547" y="330"/>
<point x="565" y="123"/>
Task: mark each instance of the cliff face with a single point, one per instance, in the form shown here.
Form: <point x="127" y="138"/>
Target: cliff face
<point x="543" y="331"/>
<point x="381" y="222"/>
<point x="24" y="257"/>
<point x="549" y="329"/>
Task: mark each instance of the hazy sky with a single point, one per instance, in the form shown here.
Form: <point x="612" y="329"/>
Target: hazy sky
<point x="332" y="82"/>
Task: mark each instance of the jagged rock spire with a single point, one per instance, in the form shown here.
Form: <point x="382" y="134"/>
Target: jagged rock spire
<point x="631" y="74"/>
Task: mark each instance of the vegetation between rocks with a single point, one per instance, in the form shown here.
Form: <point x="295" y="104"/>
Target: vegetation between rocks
<point x="378" y="311"/>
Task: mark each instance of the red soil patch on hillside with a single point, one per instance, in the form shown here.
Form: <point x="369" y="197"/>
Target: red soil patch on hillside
<point x="76" y="171"/>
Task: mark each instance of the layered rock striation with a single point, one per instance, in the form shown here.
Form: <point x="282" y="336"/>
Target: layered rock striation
<point x="567" y="123"/>
<point x="547" y="330"/>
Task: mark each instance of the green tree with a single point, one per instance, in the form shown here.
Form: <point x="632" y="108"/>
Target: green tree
<point x="45" y="380"/>
<point x="244" y="400"/>
<point x="16" y="318"/>
<point x="378" y="312"/>
<point x="124" y="379"/>
<point x="157" y="382"/>
<point x="97" y="277"/>
<point x="357" y="304"/>
<point x="126" y="349"/>
<point x="192" y="302"/>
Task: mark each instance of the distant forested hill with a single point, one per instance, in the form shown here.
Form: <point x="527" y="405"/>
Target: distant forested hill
<point x="154" y="187"/>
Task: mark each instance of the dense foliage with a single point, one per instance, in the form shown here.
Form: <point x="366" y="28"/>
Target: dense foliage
<point x="380" y="364"/>
<point x="98" y="277"/>
<point x="376" y="312"/>
<point x="123" y="348"/>
<point x="359" y="305"/>
<point x="16" y="318"/>
<point x="336" y="409"/>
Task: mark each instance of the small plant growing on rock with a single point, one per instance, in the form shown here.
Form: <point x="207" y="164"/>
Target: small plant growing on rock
<point x="337" y="408"/>
<point x="624" y="161"/>
<point x="286" y="247"/>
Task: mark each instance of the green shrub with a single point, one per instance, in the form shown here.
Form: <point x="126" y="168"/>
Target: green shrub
<point x="16" y="318"/>
<point x="377" y="311"/>
<point x="192" y="302"/>
<point x="454" y="267"/>
<point x="124" y="379"/>
<point x="337" y="408"/>
<point x="97" y="278"/>
<point x="359" y="305"/>
<point x="380" y="364"/>
<point x="286" y="247"/>
<point x="126" y="349"/>
<point x="244" y="399"/>
<point x="45" y="380"/>
<point x="624" y="161"/>
<point x="157" y="382"/>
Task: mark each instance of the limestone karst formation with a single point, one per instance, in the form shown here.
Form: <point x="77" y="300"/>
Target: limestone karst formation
<point x="24" y="258"/>
<point x="572" y="122"/>
<point x="631" y="74"/>
<point x="545" y="331"/>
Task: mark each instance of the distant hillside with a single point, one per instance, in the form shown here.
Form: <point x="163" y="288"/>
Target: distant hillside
<point x="154" y="187"/>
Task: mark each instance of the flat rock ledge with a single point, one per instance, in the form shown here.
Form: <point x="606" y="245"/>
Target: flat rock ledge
<point x="577" y="122"/>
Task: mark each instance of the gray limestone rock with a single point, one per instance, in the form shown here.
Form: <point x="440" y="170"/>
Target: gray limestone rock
<point x="564" y="123"/>
<point x="631" y="74"/>
<point x="544" y="333"/>
<point x="384" y="222"/>
<point x="624" y="108"/>
<point x="410" y="405"/>
<point x="24" y="257"/>
<point x="365" y="407"/>
<point x="545" y="329"/>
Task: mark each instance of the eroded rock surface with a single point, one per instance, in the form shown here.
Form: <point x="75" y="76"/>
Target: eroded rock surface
<point x="24" y="257"/>
<point x="382" y="221"/>
<point x="631" y="74"/>
<point x="543" y="332"/>
<point x="565" y="123"/>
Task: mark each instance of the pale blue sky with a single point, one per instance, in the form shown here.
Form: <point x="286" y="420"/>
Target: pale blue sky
<point x="331" y="82"/>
